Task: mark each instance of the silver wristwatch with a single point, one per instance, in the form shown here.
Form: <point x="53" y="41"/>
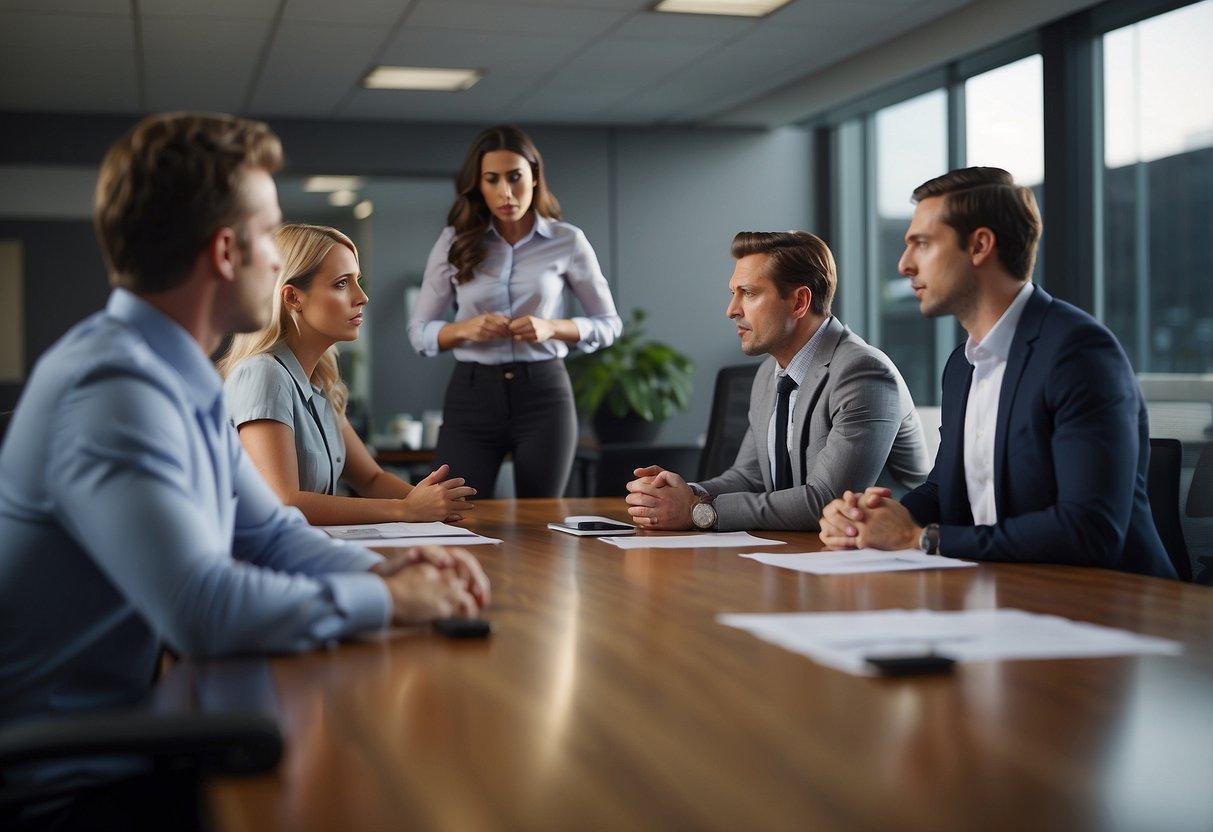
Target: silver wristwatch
<point x="703" y="513"/>
<point x="928" y="541"/>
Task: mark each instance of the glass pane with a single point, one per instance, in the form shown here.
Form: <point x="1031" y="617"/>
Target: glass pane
<point x="1004" y="125"/>
<point x="1158" y="189"/>
<point x="911" y="146"/>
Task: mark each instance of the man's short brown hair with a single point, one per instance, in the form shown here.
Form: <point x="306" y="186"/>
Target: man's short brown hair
<point x="794" y="259"/>
<point x="989" y="198"/>
<point x="167" y="186"/>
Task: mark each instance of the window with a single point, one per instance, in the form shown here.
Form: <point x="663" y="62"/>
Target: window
<point x="1004" y="120"/>
<point x="910" y="147"/>
<point x="1158" y="189"/>
<point x="1004" y="125"/>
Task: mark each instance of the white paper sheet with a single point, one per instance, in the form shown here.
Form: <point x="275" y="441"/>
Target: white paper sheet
<point x="690" y="541"/>
<point x="843" y="639"/>
<point x="857" y="561"/>
<point x="407" y="534"/>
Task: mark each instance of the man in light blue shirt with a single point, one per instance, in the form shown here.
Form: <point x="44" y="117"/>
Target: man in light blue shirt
<point x="130" y="517"/>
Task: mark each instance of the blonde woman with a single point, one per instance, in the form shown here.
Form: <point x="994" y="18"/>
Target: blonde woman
<point x="286" y="398"/>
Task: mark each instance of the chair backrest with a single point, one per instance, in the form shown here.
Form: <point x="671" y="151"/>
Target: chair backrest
<point x="1200" y="494"/>
<point x="1162" y="487"/>
<point x="931" y="418"/>
<point x="729" y="420"/>
<point x="616" y="462"/>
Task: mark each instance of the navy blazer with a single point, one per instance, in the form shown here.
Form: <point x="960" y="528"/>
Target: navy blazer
<point x="1071" y="449"/>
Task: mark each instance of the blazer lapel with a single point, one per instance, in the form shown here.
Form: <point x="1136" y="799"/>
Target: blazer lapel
<point x="810" y="391"/>
<point x="761" y="405"/>
<point x="1021" y="351"/>
<point x="962" y="511"/>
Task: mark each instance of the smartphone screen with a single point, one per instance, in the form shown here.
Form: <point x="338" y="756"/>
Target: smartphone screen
<point x="598" y="526"/>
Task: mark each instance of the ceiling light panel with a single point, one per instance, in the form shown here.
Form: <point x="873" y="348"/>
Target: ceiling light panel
<point x="420" y="78"/>
<point x="733" y="8"/>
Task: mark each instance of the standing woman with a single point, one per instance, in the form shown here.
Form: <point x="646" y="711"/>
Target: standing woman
<point x="505" y="259"/>
<point x="286" y="398"/>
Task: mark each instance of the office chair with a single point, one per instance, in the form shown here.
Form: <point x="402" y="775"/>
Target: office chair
<point x="615" y="464"/>
<point x="1162" y="488"/>
<point x="729" y="420"/>
<point x="178" y="750"/>
<point x="1200" y="503"/>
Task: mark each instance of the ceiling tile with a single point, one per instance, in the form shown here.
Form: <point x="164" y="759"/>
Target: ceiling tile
<point x="243" y="9"/>
<point x="888" y="15"/>
<point x="682" y="27"/>
<point x="613" y="66"/>
<point x="502" y="18"/>
<point x="445" y="48"/>
<point x="214" y="36"/>
<point x="114" y="7"/>
<point x="311" y="67"/>
<point x="196" y="81"/>
<point x="53" y="33"/>
<point x="346" y="12"/>
<point x="93" y="81"/>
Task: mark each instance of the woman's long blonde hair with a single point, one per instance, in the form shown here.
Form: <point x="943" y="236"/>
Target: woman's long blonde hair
<point x="303" y="248"/>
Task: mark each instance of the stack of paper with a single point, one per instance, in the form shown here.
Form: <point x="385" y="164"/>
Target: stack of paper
<point x="735" y="540"/>
<point x="843" y="640"/>
<point x="407" y="534"/>
<point x="856" y="561"/>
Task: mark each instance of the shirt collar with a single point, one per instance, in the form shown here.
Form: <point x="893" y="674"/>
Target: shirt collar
<point x="542" y="227"/>
<point x="798" y="367"/>
<point x="997" y="342"/>
<point x="286" y="355"/>
<point x="171" y="342"/>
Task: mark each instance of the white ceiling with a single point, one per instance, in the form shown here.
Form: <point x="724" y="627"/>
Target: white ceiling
<point x="553" y="61"/>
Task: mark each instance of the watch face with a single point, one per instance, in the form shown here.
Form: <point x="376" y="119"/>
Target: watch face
<point x="703" y="515"/>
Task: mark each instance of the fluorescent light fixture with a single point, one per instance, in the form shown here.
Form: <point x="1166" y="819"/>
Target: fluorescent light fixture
<point x="343" y="199"/>
<point x="365" y="208"/>
<point x="328" y="184"/>
<point x="734" y="8"/>
<point x="420" y="78"/>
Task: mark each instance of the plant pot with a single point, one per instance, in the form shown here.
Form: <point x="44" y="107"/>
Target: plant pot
<point x="632" y="428"/>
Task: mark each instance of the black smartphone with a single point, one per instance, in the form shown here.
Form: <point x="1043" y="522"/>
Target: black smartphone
<point x="463" y="627"/>
<point x="599" y="526"/>
<point x="910" y="665"/>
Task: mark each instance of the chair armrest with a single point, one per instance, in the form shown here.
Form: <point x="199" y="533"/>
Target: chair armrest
<point x="231" y="743"/>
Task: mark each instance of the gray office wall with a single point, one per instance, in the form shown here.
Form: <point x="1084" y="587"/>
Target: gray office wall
<point x="682" y="195"/>
<point x="659" y="206"/>
<point x="64" y="282"/>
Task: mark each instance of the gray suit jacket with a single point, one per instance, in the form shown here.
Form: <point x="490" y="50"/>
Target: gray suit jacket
<point x="855" y="424"/>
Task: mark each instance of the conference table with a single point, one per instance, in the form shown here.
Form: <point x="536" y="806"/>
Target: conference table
<point x="609" y="698"/>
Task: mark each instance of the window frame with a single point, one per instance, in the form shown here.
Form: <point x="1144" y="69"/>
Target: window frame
<point x="1072" y="67"/>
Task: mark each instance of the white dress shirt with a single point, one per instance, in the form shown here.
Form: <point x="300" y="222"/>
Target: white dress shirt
<point x="989" y="360"/>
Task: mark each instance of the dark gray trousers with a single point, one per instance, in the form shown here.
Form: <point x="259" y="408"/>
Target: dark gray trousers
<point x="524" y="409"/>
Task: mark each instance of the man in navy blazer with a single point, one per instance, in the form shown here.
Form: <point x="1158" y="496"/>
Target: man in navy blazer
<point x="1044" y="440"/>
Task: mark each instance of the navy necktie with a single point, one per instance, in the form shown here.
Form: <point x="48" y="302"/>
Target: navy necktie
<point x="783" y="462"/>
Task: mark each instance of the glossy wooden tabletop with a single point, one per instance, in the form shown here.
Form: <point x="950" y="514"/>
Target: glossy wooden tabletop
<point x="608" y="698"/>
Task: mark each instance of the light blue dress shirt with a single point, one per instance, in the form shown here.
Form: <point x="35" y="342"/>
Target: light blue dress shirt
<point x="527" y="278"/>
<point x="131" y="517"/>
<point x="262" y="388"/>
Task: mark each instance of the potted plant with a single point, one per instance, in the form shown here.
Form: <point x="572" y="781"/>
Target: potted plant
<point x="632" y="386"/>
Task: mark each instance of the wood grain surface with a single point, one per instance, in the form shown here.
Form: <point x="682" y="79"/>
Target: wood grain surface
<point x="608" y="698"/>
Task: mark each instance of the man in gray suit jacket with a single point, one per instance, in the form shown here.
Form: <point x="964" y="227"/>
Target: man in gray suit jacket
<point x="828" y="412"/>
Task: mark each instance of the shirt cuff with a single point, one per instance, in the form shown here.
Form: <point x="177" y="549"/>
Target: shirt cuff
<point x="362" y="598"/>
<point x="429" y="337"/>
<point x="362" y="559"/>
<point x="699" y="490"/>
<point x="587" y="335"/>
